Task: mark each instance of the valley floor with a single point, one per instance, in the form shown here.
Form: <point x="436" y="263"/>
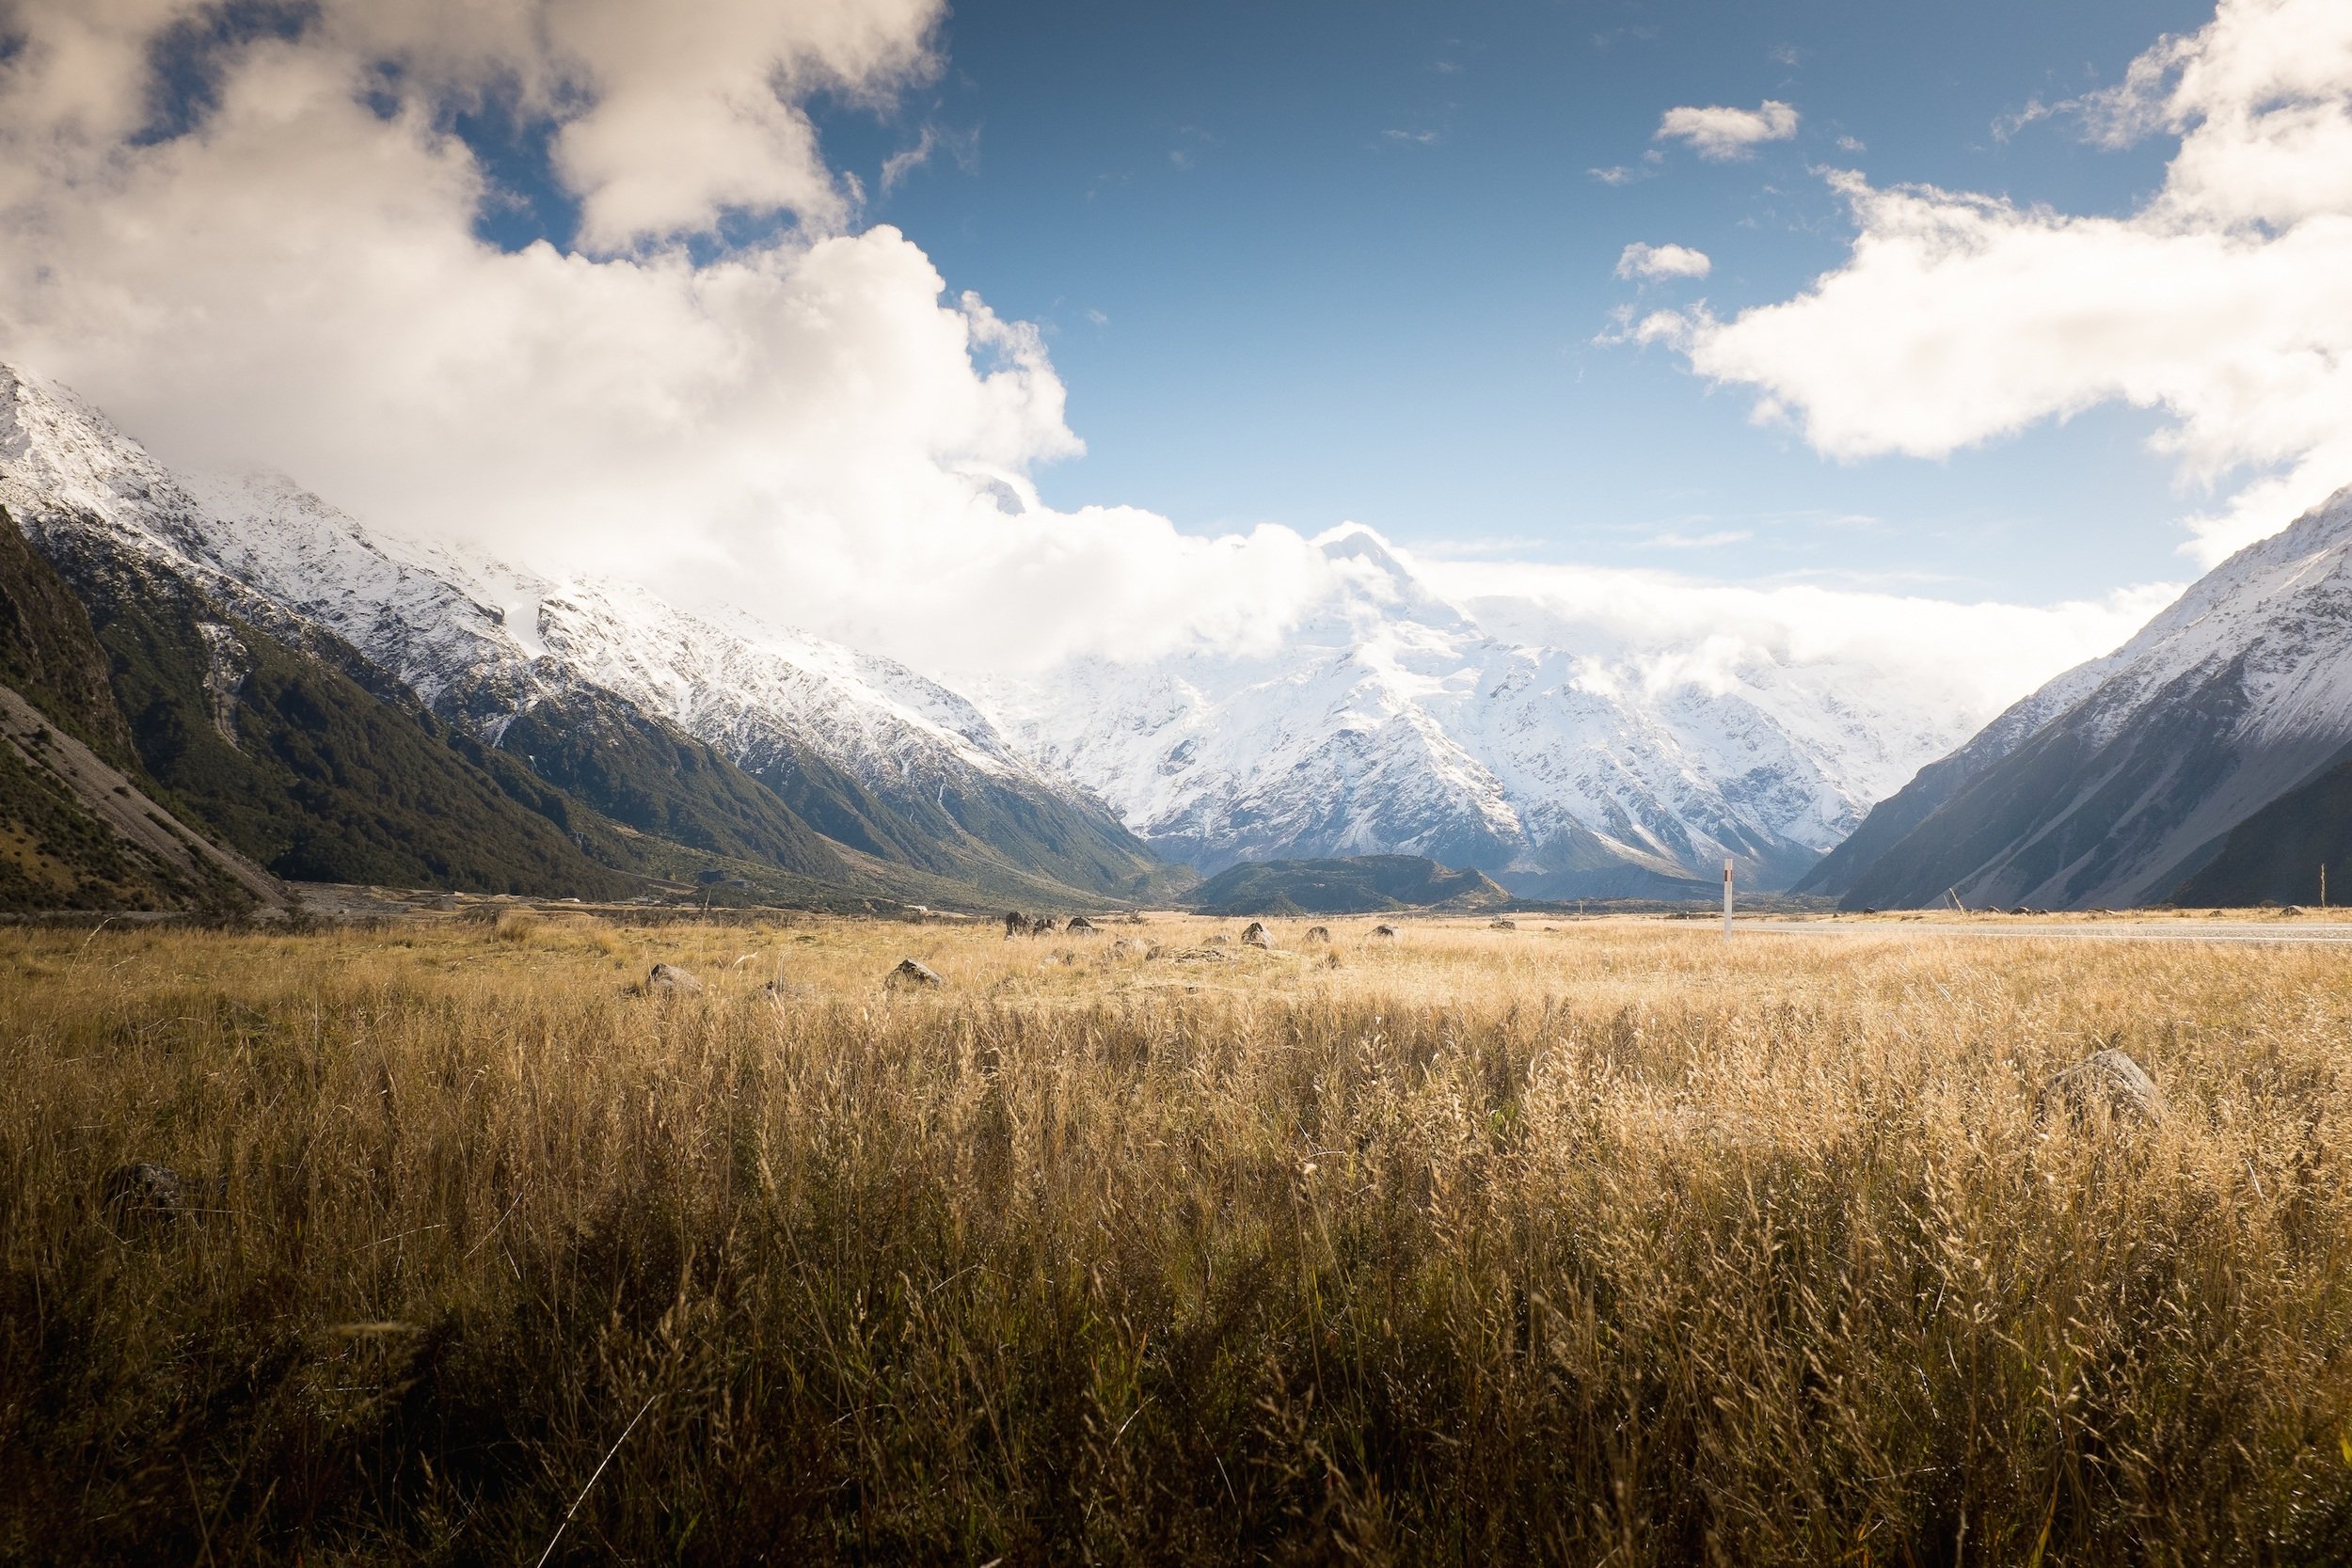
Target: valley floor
<point x="1587" y="1241"/>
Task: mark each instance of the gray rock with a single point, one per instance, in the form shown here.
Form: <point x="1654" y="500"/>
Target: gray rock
<point x="671" y="977"/>
<point x="909" y="973"/>
<point x="145" y="1191"/>
<point x="1318" y="933"/>
<point x="1384" y="931"/>
<point x="1079" y="922"/>
<point x="1015" y="922"/>
<point x="1254" y="935"/>
<point x="1501" y="923"/>
<point x="1043" y="926"/>
<point x="2104" y="1078"/>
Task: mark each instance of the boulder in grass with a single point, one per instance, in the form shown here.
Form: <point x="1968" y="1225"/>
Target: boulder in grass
<point x="145" y="1191"/>
<point x="1503" y="923"/>
<point x="672" y="978"/>
<point x="1079" y="922"/>
<point x="1254" y="935"/>
<point x="1318" y="933"/>
<point x="1043" y="926"/>
<point x="909" y="973"/>
<point x="1385" y="931"/>
<point x="2104" y="1078"/>
<point x="1015" y="922"/>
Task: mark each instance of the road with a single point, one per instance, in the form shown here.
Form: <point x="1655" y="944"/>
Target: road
<point x="2291" y="933"/>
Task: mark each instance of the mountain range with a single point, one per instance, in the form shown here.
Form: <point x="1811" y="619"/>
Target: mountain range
<point x="341" y="707"/>
<point x="339" y="703"/>
<point x="212" y="682"/>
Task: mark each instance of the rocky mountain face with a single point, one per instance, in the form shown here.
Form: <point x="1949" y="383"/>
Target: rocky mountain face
<point x="735" y="741"/>
<point x="2195" y="760"/>
<point x="1564" y="760"/>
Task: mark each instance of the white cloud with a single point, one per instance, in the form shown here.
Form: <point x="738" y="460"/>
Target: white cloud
<point x="2221" y="303"/>
<point x="1893" y="638"/>
<point x="905" y="162"/>
<point x="1722" y="133"/>
<point x="810" y="426"/>
<point x="1662" y="260"/>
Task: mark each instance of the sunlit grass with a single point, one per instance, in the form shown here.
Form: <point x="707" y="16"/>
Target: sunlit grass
<point x="1612" y="1242"/>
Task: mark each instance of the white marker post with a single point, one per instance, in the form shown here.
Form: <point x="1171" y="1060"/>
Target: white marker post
<point x="1726" y="897"/>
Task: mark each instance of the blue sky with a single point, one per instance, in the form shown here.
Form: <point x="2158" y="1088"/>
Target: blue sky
<point x="1319" y="261"/>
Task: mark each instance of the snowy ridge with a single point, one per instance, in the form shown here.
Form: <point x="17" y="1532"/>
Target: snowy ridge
<point x="478" y="639"/>
<point x="2282" y="609"/>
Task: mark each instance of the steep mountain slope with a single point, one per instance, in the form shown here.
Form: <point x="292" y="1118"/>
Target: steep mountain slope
<point x="282" y="755"/>
<point x="2276" y="855"/>
<point x="1939" y="781"/>
<point x="867" y="752"/>
<point x="2148" y="761"/>
<point x="1495" y="736"/>
<point x="1362" y="884"/>
<point x="48" y="652"/>
<point x="76" y="831"/>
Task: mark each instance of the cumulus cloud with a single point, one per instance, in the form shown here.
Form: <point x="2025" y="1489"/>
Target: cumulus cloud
<point x="1722" y="133"/>
<point x="2221" y="303"/>
<point x="812" y="426"/>
<point x="1651" y="261"/>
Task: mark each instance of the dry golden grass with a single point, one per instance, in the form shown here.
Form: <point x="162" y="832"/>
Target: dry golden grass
<point x="1608" y="1244"/>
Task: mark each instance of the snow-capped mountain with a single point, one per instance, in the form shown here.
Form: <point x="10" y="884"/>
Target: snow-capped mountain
<point x="1563" y="756"/>
<point x="870" y="753"/>
<point x="1564" y="759"/>
<point x="2124" y="776"/>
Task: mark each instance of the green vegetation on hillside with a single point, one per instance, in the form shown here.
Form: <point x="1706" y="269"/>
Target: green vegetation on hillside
<point x="295" y="764"/>
<point x="663" y="784"/>
<point x="56" y="855"/>
<point x="1363" y="884"/>
<point x="49" y="652"/>
<point x="976" y="831"/>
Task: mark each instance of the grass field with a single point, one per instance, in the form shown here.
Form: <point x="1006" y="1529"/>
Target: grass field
<point x="1612" y="1243"/>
